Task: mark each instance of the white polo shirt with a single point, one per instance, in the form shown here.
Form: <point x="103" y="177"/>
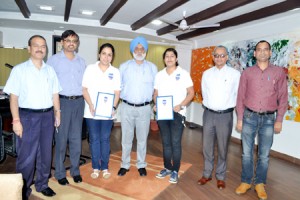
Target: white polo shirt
<point x="175" y="84"/>
<point x="95" y="80"/>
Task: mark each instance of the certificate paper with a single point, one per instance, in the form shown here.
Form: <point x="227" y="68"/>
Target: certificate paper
<point x="164" y="108"/>
<point x="104" y="105"/>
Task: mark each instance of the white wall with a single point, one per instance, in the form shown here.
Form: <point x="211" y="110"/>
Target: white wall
<point x="287" y="142"/>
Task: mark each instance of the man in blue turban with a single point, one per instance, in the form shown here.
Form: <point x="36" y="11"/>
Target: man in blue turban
<point x="137" y="82"/>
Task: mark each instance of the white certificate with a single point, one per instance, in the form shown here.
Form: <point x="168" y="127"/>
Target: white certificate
<point x="104" y="105"/>
<point x="164" y="108"/>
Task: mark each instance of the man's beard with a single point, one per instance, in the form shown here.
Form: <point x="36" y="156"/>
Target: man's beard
<point x="139" y="57"/>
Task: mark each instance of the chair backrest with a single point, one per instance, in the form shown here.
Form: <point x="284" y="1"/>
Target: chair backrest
<point x="2" y="155"/>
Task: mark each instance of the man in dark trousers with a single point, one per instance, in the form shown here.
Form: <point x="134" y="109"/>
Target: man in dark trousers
<point x="33" y="88"/>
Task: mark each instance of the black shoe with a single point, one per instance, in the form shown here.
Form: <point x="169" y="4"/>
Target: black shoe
<point x="122" y="171"/>
<point x="142" y="171"/>
<point x="48" y="192"/>
<point x="77" y="179"/>
<point x="63" y="181"/>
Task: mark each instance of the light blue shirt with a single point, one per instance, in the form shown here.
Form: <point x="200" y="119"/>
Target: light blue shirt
<point x="34" y="87"/>
<point x="137" y="81"/>
<point x="69" y="73"/>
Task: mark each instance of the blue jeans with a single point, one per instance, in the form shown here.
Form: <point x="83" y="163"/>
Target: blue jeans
<point x="99" y="138"/>
<point x="171" y="135"/>
<point x="263" y="126"/>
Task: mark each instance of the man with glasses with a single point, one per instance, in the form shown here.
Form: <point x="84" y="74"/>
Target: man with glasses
<point x="69" y="67"/>
<point x="137" y="87"/>
<point x="34" y="103"/>
<point x="219" y="90"/>
<point x="261" y="104"/>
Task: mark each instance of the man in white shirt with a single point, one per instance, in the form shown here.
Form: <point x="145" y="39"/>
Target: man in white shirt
<point x="219" y="90"/>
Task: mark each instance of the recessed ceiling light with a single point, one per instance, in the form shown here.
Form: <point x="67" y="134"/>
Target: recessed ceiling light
<point x="61" y="27"/>
<point x="87" y="12"/>
<point x="45" y="7"/>
<point x="156" y="22"/>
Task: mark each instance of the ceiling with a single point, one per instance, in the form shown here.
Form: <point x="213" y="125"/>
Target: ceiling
<point x="129" y="18"/>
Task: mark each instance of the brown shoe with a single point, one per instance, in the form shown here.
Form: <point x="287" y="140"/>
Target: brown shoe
<point x="221" y="184"/>
<point x="261" y="192"/>
<point x="203" y="180"/>
<point x="243" y="188"/>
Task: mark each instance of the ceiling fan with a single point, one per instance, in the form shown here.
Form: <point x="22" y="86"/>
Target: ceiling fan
<point x="183" y="26"/>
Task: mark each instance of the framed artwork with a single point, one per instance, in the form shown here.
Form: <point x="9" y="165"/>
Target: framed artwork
<point x="56" y="46"/>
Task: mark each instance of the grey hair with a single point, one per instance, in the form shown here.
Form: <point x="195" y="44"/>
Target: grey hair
<point x="220" y="46"/>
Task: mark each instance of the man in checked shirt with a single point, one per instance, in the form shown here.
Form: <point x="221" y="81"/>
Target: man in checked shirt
<point x="261" y="103"/>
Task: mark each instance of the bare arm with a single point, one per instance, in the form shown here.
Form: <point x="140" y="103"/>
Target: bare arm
<point x="14" y="109"/>
<point x="155" y="94"/>
<point x="189" y="97"/>
<point x="116" y="101"/>
<point x="56" y="105"/>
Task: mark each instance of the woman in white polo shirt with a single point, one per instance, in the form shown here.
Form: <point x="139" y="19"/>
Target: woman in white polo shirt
<point x="100" y="77"/>
<point x="174" y="81"/>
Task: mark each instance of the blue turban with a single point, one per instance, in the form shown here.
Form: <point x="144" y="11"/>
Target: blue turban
<point x="138" y="40"/>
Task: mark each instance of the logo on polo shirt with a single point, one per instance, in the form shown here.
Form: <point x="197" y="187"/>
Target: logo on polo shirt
<point x="110" y="76"/>
<point x="177" y="77"/>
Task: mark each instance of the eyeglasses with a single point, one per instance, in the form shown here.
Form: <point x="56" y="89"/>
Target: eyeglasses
<point x="71" y="41"/>
<point x="219" y="55"/>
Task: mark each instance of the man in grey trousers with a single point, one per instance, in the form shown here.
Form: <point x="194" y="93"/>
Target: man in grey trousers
<point x="69" y="67"/>
<point x="219" y="90"/>
<point x="137" y="86"/>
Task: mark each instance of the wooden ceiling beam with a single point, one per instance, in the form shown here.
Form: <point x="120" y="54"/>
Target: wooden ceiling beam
<point x="156" y="13"/>
<point x="67" y="10"/>
<point x="111" y="11"/>
<point x="23" y="8"/>
<point x="208" y="13"/>
<point x="255" y="15"/>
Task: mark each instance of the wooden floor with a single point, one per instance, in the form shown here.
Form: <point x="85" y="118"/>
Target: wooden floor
<point x="283" y="177"/>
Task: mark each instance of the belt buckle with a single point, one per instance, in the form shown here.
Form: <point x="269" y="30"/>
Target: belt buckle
<point x="72" y="97"/>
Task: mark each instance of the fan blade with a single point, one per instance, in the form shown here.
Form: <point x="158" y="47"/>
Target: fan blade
<point x="175" y="30"/>
<point x="168" y="22"/>
<point x="204" y="26"/>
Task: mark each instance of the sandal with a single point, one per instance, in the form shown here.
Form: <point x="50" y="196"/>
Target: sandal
<point x="95" y="174"/>
<point x="105" y="174"/>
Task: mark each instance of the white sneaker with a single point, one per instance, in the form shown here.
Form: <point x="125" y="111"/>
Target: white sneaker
<point x="106" y="174"/>
<point x="95" y="174"/>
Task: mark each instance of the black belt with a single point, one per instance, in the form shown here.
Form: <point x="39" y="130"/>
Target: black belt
<point x="37" y="110"/>
<point x="70" y="97"/>
<point x="262" y="113"/>
<point x="219" y="111"/>
<point x="136" y="105"/>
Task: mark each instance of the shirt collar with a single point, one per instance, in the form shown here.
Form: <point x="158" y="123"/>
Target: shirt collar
<point x="224" y="68"/>
<point x="62" y="54"/>
<point x="32" y="65"/>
